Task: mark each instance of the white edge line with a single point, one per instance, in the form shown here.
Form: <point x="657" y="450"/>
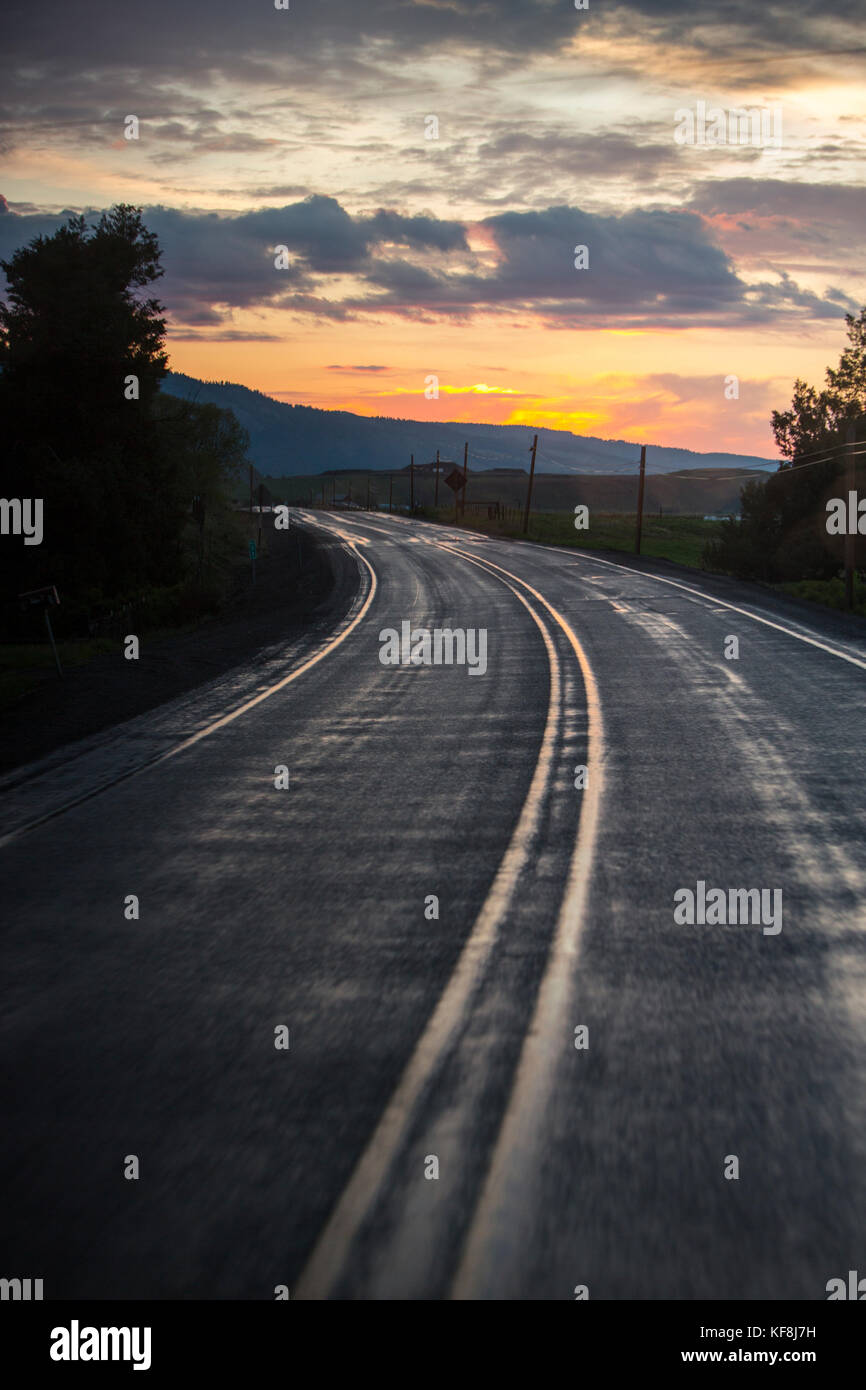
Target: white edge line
<point x="209" y="729"/>
<point x="590" y="558"/>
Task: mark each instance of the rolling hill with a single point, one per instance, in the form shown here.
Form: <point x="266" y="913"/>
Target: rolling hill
<point x="289" y="441"/>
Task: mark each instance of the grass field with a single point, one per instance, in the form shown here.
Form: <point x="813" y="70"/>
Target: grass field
<point x="830" y="592"/>
<point x="156" y="612"/>
<point x="25" y="665"/>
<point x="678" y="538"/>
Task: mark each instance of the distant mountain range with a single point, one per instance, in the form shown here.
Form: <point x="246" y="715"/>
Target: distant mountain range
<point x="291" y="440"/>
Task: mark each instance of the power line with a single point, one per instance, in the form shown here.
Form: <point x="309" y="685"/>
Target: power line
<point x="760" y="472"/>
<point x="811" y="460"/>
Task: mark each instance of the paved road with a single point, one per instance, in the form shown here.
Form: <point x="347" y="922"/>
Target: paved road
<point x="418" y="1041"/>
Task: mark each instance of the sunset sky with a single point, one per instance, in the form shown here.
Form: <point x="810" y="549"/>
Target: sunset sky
<point x="412" y="256"/>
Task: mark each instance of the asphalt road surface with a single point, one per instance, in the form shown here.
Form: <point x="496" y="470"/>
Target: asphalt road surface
<point x="613" y="1100"/>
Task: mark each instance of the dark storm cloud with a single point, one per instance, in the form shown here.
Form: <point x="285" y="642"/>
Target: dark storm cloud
<point x="639" y="263"/>
<point x="244" y="39"/>
<point x="648" y="267"/>
<point x="74" y="70"/>
<point x="322" y="236"/>
<point x="230" y="259"/>
<point x="638" y="259"/>
<point x="415" y="231"/>
<point x="69" y="65"/>
<point x="644" y="266"/>
<point x="213" y="260"/>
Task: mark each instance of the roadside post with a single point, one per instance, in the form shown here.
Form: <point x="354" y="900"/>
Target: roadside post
<point x="532" y="450"/>
<point x="640" y="499"/>
<point x="850" y="437"/>
<point x="198" y="511"/>
<point x="45" y="599"/>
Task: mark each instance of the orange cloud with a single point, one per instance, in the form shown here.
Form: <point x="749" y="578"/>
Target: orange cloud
<point x="577" y="421"/>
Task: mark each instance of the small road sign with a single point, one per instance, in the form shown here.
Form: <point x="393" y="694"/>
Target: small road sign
<point x="40" y="598"/>
<point x="455" y="479"/>
<point x="252" y="550"/>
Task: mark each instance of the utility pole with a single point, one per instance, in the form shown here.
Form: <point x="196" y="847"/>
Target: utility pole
<point x="436" y="498"/>
<point x="640" y="488"/>
<point x="465" y="478"/>
<point x="529" y="487"/>
<point x="53" y="643"/>
<point x="850" y="436"/>
<point x="390" y="493"/>
<point x="251" y="489"/>
<point x="412" y="484"/>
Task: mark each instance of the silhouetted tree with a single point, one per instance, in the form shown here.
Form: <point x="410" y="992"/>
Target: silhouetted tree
<point x="820" y="418"/>
<point x="77" y="325"/>
<point x="783" y="532"/>
<point x="207" y="444"/>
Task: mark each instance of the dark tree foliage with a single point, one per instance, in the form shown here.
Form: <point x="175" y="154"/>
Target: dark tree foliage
<point x="77" y="323"/>
<point x="783" y="531"/>
<point x="207" y="445"/>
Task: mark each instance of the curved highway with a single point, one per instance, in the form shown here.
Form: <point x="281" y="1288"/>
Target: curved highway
<point x="514" y="1070"/>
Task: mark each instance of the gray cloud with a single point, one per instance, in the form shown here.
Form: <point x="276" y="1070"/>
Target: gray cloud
<point x="650" y="266"/>
<point x="640" y="264"/>
<point x="248" y="39"/>
<point x="225" y="335"/>
<point x="72" y="67"/>
<point x="829" y="216"/>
